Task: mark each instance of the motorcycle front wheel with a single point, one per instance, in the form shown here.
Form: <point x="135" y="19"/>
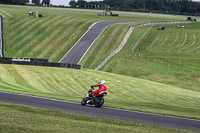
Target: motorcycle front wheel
<point x="83" y="102"/>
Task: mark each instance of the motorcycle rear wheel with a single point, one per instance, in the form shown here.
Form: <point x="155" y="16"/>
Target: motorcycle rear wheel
<point x="100" y="103"/>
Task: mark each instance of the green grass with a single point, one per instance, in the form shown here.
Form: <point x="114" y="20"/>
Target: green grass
<point x="57" y="31"/>
<point x="123" y="92"/>
<point x="170" y="56"/>
<point x="18" y="119"/>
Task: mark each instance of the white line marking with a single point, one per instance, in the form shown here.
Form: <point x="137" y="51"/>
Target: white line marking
<point x="77" y="41"/>
<point x="92" y="44"/>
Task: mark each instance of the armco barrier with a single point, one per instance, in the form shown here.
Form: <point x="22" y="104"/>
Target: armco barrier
<point x="1" y="37"/>
<point x="37" y="62"/>
<point x="24" y="59"/>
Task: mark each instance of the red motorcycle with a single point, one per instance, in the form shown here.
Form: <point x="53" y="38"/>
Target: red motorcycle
<point x="94" y="99"/>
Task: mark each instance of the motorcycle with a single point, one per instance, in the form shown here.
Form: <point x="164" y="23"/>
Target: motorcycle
<point x="94" y="99"/>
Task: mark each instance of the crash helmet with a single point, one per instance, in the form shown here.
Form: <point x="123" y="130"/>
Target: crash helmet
<point x="103" y="82"/>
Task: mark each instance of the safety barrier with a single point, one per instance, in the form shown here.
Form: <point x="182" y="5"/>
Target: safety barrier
<point x="127" y="35"/>
<point x="1" y="37"/>
<point x="37" y="62"/>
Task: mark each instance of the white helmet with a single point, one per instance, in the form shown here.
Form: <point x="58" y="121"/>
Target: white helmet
<point x="103" y="82"/>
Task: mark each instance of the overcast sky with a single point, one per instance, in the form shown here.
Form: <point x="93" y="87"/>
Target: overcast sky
<point x="66" y="2"/>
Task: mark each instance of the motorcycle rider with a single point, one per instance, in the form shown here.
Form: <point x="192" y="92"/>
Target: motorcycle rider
<point x="102" y="87"/>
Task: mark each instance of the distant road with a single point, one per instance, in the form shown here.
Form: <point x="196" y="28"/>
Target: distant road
<point x="77" y="52"/>
<point x="146" y="118"/>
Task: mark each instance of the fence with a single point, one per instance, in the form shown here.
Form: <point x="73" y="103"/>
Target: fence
<point x="178" y="67"/>
<point x="126" y="37"/>
<point x="1" y="37"/>
<point x="37" y="62"/>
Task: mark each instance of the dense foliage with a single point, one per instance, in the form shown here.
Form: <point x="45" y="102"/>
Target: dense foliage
<point x="14" y="2"/>
<point x="168" y="6"/>
<point x="36" y="2"/>
<point x="23" y="2"/>
<point x="158" y="5"/>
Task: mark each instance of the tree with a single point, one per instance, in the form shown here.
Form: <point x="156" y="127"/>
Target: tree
<point x="81" y="3"/>
<point x="14" y="2"/>
<point x="73" y="3"/>
<point x="169" y="6"/>
<point x="46" y="2"/>
<point x="36" y="2"/>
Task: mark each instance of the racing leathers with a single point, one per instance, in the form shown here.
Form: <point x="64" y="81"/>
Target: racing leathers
<point x="102" y="87"/>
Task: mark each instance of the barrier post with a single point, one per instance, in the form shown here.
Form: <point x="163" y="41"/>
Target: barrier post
<point x="1" y="37"/>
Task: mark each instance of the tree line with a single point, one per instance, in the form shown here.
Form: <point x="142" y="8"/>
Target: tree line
<point x="168" y="6"/>
<point x="14" y="2"/>
<point x="23" y="2"/>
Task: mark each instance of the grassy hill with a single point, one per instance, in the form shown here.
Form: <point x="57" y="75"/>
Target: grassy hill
<point x="123" y="91"/>
<point x="57" y="31"/>
<point x="170" y="56"/>
<point x="54" y="34"/>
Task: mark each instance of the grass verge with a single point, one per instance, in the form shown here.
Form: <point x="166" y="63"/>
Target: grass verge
<point x="17" y="118"/>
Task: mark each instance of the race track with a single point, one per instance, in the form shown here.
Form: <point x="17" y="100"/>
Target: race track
<point x="158" y="120"/>
<point x="77" y="52"/>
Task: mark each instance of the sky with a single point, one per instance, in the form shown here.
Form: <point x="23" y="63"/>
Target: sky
<point x="66" y="2"/>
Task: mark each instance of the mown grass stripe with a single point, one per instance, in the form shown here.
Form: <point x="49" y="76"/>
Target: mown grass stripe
<point x="51" y="50"/>
<point x="21" y="25"/>
<point x="182" y="44"/>
<point x="6" y="14"/>
<point x="82" y="83"/>
<point x="38" y="82"/>
<point x="48" y="44"/>
<point x="73" y="87"/>
<point x="60" y="82"/>
<point x="162" y="44"/>
<point x="52" y="84"/>
<point x="196" y="47"/>
<point x="24" y="35"/>
<point x="190" y="43"/>
<point x="14" y="80"/>
<point x="51" y="33"/>
<point x="34" y="39"/>
<point x="151" y="44"/>
<point x="155" y="47"/>
<point x="18" y="77"/>
<point x="186" y="43"/>
<point x="174" y="42"/>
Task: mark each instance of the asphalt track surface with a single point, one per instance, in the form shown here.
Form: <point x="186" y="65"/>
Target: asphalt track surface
<point x="77" y="52"/>
<point x="103" y="112"/>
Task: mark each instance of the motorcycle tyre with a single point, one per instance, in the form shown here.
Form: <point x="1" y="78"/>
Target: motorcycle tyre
<point x="83" y="102"/>
<point x="100" y="103"/>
